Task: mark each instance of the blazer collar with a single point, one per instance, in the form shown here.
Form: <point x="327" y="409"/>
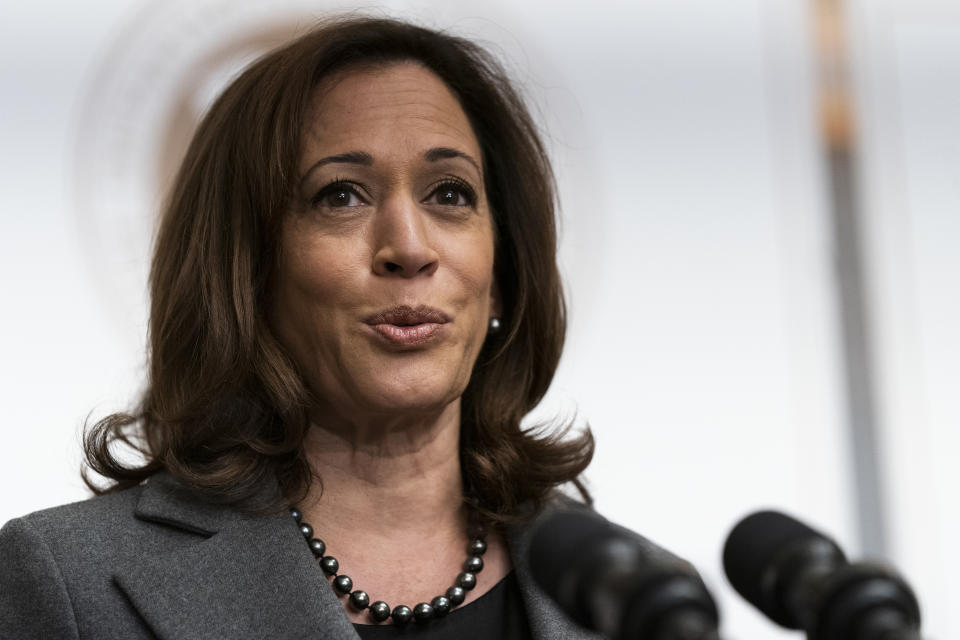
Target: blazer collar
<point x="255" y="578"/>
<point x="165" y="501"/>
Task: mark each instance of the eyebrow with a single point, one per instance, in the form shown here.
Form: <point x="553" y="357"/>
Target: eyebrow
<point x="351" y="157"/>
<point x="365" y="159"/>
<point x="444" y="153"/>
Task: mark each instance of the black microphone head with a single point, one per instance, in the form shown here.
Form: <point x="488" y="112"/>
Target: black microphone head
<point x="800" y="579"/>
<point x="613" y="580"/>
<point x="762" y="552"/>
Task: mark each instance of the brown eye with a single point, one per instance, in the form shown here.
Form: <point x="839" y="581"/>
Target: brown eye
<point x="454" y="194"/>
<point x="337" y="194"/>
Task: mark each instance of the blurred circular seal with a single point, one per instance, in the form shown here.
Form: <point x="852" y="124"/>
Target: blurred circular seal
<point x="142" y="105"/>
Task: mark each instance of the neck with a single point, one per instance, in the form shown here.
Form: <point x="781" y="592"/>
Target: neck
<point x="386" y="472"/>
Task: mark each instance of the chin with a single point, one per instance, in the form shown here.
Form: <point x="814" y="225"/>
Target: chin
<point x="394" y="387"/>
<point x="414" y="392"/>
<point x="414" y="401"/>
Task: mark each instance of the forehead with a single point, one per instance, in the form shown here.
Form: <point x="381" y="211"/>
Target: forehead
<point x="386" y="110"/>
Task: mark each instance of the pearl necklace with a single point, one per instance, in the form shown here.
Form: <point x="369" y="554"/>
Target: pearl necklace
<point x="401" y="614"/>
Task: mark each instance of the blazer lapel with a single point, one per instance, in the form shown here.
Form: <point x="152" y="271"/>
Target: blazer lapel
<point x="251" y="578"/>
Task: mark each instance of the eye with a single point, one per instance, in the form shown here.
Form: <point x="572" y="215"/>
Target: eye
<point x="453" y="193"/>
<point x="338" y="194"/>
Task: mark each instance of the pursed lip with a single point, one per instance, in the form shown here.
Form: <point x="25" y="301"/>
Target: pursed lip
<point x="406" y="326"/>
<point x="405" y="315"/>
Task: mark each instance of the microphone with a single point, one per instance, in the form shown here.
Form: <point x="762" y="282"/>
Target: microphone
<point x="612" y="580"/>
<point x="800" y="579"/>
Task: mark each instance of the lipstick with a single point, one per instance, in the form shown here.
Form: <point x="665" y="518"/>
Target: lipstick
<point x="406" y="326"/>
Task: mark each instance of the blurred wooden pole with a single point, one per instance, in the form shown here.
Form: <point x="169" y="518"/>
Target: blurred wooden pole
<point x="839" y="140"/>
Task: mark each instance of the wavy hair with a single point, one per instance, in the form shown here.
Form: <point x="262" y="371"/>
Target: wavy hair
<point x="225" y="408"/>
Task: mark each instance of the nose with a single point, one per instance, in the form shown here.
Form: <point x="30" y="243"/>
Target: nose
<point x="403" y="244"/>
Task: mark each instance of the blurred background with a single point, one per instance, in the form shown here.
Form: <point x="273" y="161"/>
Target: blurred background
<point x="761" y="223"/>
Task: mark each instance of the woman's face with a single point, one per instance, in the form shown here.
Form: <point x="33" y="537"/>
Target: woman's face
<point x="385" y="284"/>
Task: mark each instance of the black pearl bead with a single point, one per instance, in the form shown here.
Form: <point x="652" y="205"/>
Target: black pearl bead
<point x="441" y="606"/>
<point x="456" y="595"/>
<point x="318" y="547"/>
<point x="477" y="530"/>
<point x="360" y="600"/>
<point x="343" y="584"/>
<point x="466" y="580"/>
<point x="379" y="611"/>
<point x="477" y="547"/>
<point x="474" y="564"/>
<point x="423" y="613"/>
<point x="306" y="530"/>
<point x="329" y="565"/>
<point x="401" y="614"/>
<point x="296" y="515"/>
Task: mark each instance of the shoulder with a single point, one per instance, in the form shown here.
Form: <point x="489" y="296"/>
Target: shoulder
<point x="87" y="517"/>
<point x="59" y="564"/>
<point x="119" y="525"/>
<point x="60" y="533"/>
<point x="45" y="556"/>
<point x="89" y="531"/>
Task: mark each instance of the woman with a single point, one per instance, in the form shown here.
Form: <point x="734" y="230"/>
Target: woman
<point x="354" y="302"/>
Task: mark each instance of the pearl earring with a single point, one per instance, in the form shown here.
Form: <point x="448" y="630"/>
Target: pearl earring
<point x="494" y="325"/>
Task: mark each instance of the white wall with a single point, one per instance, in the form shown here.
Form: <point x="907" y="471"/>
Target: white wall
<point x="909" y="97"/>
<point x="703" y="348"/>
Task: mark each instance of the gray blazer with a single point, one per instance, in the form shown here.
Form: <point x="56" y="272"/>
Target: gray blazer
<point x="155" y="561"/>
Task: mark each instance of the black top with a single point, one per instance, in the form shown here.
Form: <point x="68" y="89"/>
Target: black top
<point x="497" y="614"/>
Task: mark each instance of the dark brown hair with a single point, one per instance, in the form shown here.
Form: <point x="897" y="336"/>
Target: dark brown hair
<point x="225" y="410"/>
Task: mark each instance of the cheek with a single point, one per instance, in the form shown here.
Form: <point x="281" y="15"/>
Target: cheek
<point x="308" y="290"/>
<point x="475" y="280"/>
<point x="473" y="262"/>
<point x="319" y="284"/>
<point x="315" y="273"/>
<point x="474" y="270"/>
